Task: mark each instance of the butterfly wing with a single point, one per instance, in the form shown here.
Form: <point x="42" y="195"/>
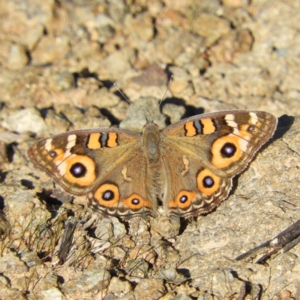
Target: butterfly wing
<point x="100" y="164"/>
<point x="207" y="152"/>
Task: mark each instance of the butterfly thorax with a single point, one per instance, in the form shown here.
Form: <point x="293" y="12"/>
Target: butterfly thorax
<point x="151" y="141"/>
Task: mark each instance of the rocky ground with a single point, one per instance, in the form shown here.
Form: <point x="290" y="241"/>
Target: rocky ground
<point x="59" y="61"/>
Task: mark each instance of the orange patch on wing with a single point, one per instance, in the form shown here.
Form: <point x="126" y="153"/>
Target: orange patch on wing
<point x="112" y="140"/>
<point x="107" y="187"/>
<point x="201" y="186"/>
<point x="244" y="130"/>
<point x="190" y="129"/>
<point x="59" y="155"/>
<point x="140" y="203"/>
<point x="245" y="133"/>
<point x="258" y="124"/>
<point x="88" y="178"/>
<point x="208" y="126"/>
<point x="94" y="139"/>
<point x="217" y="159"/>
<point x="177" y="203"/>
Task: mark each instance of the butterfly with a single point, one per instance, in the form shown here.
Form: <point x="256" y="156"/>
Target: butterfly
<point x="188" y="166"/>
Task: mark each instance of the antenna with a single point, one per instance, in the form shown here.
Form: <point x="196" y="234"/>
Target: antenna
<point x="164" y="96"/>
<point x="119" y="90"/>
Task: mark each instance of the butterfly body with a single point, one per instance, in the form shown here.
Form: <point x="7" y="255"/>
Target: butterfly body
<point x="189" y="165"/>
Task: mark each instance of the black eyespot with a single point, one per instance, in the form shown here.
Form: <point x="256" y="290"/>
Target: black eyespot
<point x="250" y="128"/>
<point x="53" y="154"/>
<point x="183" y="199"/>
<point x="78" y="170"/>
<point x="108" y="195"/>
<point x="135" y="201"/>
<point x="228" y="150"/>
<point x="208" y="182"/>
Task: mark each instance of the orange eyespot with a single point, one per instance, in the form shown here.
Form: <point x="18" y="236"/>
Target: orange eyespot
<point x="207" y="182"/>
<point x="107" y="195"/>
<point x="221" y="158"/>
<point x="78" y="169"/>
<point x="135" y="202"/>
<point x="183" y="199"/>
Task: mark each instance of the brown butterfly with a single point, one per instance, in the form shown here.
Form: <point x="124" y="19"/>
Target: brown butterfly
<point x="189" y="165"/>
